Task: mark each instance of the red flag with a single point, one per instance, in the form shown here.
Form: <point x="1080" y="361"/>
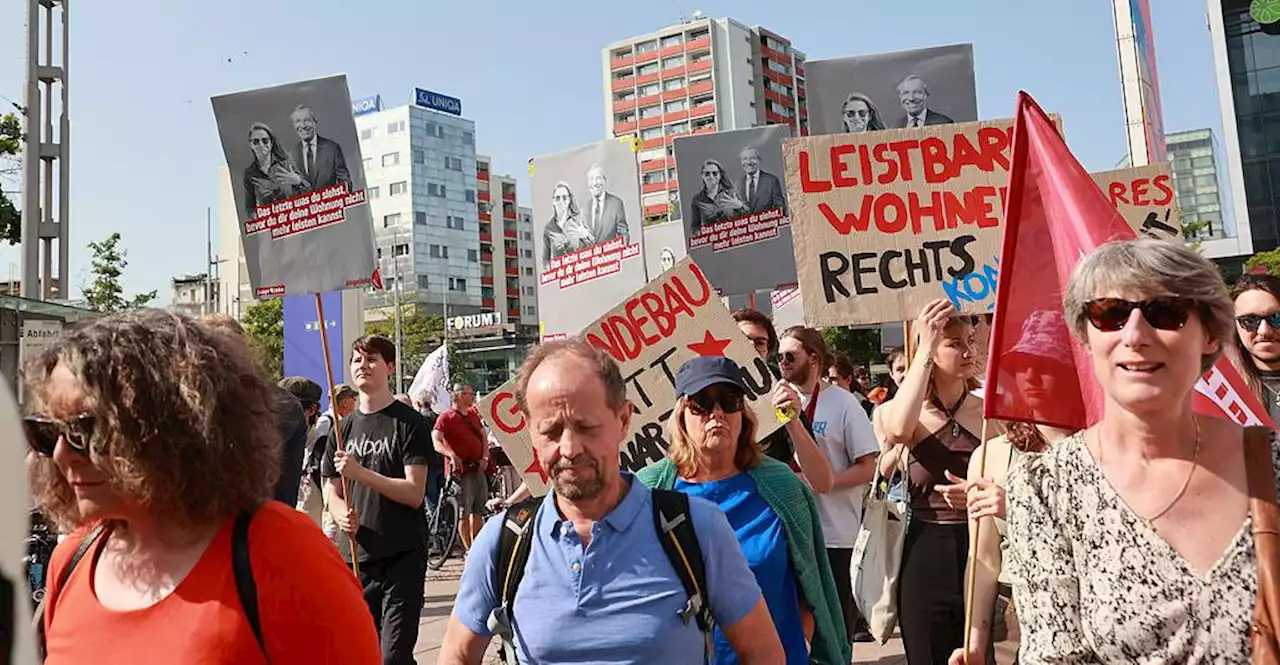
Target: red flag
<point x="1055" y="216"/>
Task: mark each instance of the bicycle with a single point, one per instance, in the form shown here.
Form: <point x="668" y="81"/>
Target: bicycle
<point x="442" y="523"/>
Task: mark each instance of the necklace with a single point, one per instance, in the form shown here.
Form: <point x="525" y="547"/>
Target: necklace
<point x="1195" y="463"/>
<point x="950" y="413"/>
<point x="1274" y="393"/>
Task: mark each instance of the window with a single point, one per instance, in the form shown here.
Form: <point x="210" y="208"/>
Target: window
<point x="527" y="253"/>
<point x="647" y="69"/>
<point x="457" y="284"/>
<point x="395" y="127"/>
<point x="623" y="74"/>
<point x="439" y="251"/>
<point x="399" y="187"/>
<point x="527" y="236"/>
<point x="436" y="190"/>
<point x="670" y="40"/>
<point x="647" y="47"/>
<point x="653" y="178"/>
<point x="390" y="220"/>
<point x="452" y="163"/>
<point x="673" y="62"/>
<point x="419" y="218"/>
<point x="701" y="57"/>
<point x="703" y="99"/>
<point x="776" y="45"/>
<point x="528" y="290"/>
<point x="419" y="157"/>
<point x="649" y="90"/>
<point x="469" y="138"/>
<point x="677" y="105"/>
<point x="678" y="128"/>
<point x="651" y="133"/>
<point x="471" y="196"/>
<point x="374" y="192"/>
<point x="473" y="256"/>
<point x="623" y="118"/>
<point x="402" y="250"/>
<point x="379" y="252"/>
<point x="454" y="222"/>
<point x="528" y="272"/>
<point x="391" y="159"/>
<point x="622" y="53"/>
<point x="530" y="311"/>
<point x="423" y="282"/>
<point x="651" y="111"/>
<point x="366" y="133"/>
<point x="625" y="96"/>
<point x="673" y="84"/>
<point x="779" y="67"/>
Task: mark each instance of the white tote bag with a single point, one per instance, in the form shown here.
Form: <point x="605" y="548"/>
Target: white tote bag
<point x="877" y="557"/>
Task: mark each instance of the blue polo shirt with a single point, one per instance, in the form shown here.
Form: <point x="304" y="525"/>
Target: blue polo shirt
<point x="616" y="600"/>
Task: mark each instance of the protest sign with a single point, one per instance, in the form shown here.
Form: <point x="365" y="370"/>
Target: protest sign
<point x="299" y="188"/>
<point x="587" y="233"/>
<point x="735" y="207"/>
<point x="869" y="93"/>
<point x="1144" y="196"/>
<point x="663" y="247"/>
<point x="650" y="334"/>
<point x="788" y="307"/>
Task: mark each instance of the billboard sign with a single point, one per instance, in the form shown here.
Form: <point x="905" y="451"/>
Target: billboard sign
<point x="366" y="105"/>
<point x="437" y="102"/>
<point x="472" y="321"/>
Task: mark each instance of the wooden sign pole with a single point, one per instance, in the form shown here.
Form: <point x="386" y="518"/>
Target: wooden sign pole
<point x="971" y="566"/>
<point x="337" y="424"/>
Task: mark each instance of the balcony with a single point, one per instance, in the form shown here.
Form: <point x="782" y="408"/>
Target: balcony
<point x="486" y="257"/>
<point x="656" y="209"/>
<point x="624" y="105"/>
<point x="698" y="44"/>
<point x="651" y="143"/>
<point x="482" y="175"/>
<point x="775" y="119"/>
<point x="649" y="188"/>
<point x="486" y="236"/>
<point x="510" y="233"/>
<point x="513" y="293"/>
<point x="642" y="58"/>
<point x="485" y="217"/>
<point x="701" y="87"/>
<point x="653" y="165"/>
<point x="650" y="100"/>
<point x="672" y="95"/>
<point x="674" y="72"/>
<point x="487" y="302"/>
<point x="773" y="55"/>
<point x="779" y="77"/>
<point x="654" y="121"/>
<point x="623" y="83"/>
<point x="486" y="281"/>
<point x="799" y="69"/>
<point x="778" y="97"/>
<point x="669" y="51"/>
<point x="509" y="195"/>
<point x="624" y="61"/>
<point x="513" y="271"/>
<point x="700" y="66"/>
<point x="624" y="127"/>
<point x="508" y="214"/>
<point x="705" y="129"/>
<point x="514" y="312"/>
<point x="676" y="116"/>
<point x="649" y="78"/>
<point x="702" y="110"/>
<point x="482" y="195"/>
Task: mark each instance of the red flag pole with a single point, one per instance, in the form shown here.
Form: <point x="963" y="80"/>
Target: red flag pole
<point x="337" y="425"/>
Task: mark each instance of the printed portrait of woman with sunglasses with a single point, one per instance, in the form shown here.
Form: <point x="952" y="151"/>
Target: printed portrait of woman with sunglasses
<point x="153" y="443"/>
<point x="1130" y="541"/>
<point x="931" y="428"/>
<point x="1257" y="347"/>
<point x="715" y="454"/>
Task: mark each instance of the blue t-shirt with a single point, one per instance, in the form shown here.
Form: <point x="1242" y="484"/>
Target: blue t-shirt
<point x="615" y="600"/>
<point x="764" y="542"/>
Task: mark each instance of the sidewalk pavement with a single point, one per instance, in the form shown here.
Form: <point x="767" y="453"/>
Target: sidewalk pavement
<point x="442" y="586"/>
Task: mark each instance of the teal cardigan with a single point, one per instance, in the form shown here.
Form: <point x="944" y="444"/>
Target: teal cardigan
<point x="791" y="499"/>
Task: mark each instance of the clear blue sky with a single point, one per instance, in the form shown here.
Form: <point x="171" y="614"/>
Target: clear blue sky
<point x="146" y="153"/>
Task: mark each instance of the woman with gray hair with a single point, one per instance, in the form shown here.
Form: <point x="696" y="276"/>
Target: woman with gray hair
<point x="1131" y="541"/>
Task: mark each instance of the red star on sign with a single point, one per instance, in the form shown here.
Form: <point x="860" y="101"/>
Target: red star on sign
<point x="536" y="467"/>
<point x="709" y="346"/>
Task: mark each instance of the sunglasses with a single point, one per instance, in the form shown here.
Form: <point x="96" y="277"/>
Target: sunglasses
<point x="43" y="433"/>
<point x="1251" y="322"/>
<point x="857" y="113"/>
<point x="1165" y="313"/>
<point x="260" y="141"/>
<point x="703" y="403"/>
<point x="789" y="357"/>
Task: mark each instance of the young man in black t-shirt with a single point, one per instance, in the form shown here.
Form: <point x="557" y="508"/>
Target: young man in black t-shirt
<point x="386" y="451"/>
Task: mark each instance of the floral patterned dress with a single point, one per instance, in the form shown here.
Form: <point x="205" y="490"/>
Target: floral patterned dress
<point x="1093" y="583"/>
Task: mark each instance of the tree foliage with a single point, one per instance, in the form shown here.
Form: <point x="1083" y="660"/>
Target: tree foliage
<point x="105" y="294"/>
<point x="1270" y="261"/>
<point x="263" y="324"/>
<point x="10" y="166"/>
<point x="420" y="333"/>
<point x="861" y="346"/>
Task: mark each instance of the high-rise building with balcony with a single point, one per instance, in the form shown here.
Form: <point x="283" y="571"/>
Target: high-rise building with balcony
<point x="507" y="281"/>
<point x="701" y="75"/>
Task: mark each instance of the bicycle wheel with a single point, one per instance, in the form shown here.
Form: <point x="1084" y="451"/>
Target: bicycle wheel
<point x="444" y="532"/>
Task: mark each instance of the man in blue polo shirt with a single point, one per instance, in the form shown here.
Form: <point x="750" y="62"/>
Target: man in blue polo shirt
<point x="598" y="586"/>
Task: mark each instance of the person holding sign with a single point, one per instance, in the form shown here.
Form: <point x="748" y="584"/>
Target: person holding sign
<point x="930" y="430"/>
<point x="717" y="201"/>
<point x="1143" y="538"/>
<point x="714" y="454"/>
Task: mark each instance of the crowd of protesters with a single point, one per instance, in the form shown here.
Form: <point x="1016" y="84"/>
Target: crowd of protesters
<point x="214" y="517"/>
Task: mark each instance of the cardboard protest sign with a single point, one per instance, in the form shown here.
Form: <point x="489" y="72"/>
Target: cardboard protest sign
<point x="788" y="308"/>
<point x="867" y="93"/>
<point x="664" y="247"/>
<point x="650" y="334"/>
<point x="587" y="233"/>
<point x="1144" y="196"/>
<point x="299" y="188"/>
<point x="735" y="207"/>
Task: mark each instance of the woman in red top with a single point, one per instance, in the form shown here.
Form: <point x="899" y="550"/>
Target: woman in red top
<point x="161" y="430"/>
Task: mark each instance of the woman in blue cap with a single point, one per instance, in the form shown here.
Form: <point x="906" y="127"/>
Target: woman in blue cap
<point x="714" y="454"/>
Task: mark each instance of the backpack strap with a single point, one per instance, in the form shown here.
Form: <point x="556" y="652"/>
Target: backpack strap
<point x="672" y="519"/>
<point x="242" y="568"/>
<point x="515" y="542"/>
<point x="94" y="535"/>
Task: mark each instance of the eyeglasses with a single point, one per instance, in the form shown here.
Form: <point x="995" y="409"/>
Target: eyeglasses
<point x="711" y="173"/>
<point x="1251" y="322"/>
<point x="859" y="113"/>
<point x="761" y="343"/>
<point x="560" y="197"/>
<point x="703" y="403"/>
<point x="43" y="433"/>
<point x="1165" y="313"/>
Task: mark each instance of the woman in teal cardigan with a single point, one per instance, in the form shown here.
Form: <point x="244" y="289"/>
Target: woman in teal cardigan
<point x="714" y="454"/>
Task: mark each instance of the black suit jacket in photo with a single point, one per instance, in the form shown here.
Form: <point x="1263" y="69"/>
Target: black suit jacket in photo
<point x="930" y="118"/>
<point x="612" y="221"/>
<point x="330" y="167"/>
<point x="769" y="193"/>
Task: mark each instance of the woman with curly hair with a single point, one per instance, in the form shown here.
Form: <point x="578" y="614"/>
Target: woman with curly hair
<point x="153" y="442"/>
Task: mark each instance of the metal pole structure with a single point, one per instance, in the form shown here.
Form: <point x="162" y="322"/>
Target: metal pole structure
<point x="208" y="260"/>
<point x="398" y="333"/>
<point x="45" y="149"/>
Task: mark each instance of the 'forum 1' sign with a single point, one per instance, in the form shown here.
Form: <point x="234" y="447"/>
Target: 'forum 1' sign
<point x="437" y="101"/>
<point x="471" y="321"/>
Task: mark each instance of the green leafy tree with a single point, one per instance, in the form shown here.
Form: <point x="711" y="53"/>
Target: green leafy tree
<point x="420" y="335"/>
<point x="10" y="166"/>
<point x="861" y="346"/>
<point x="105" y="294"/>
<point x="263" y="324"/>
<point x="1269" y="260"/>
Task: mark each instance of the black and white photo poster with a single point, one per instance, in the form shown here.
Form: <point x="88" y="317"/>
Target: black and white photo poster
<point x="664" y="247"/>
<point x="899" y="90"/>
<point x="734" y="202"/>
<point x="587" y="233"/>
<point x="299" y="188"/>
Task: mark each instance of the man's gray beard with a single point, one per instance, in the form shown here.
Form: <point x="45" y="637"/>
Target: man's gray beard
<point x="578" y="491"/>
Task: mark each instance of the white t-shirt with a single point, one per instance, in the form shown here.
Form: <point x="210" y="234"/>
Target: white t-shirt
<point x="843" y="432"/>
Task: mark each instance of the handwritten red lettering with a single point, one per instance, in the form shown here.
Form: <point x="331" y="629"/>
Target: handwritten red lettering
<point x="622" y="336"/>
<point x="500" y="413"/>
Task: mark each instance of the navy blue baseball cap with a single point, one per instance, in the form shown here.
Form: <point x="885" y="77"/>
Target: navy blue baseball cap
<point x="705" y="371"/>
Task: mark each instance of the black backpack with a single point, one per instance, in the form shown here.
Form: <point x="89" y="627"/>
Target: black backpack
<point x="241" y="567"/>
<point x="672" y="521"/>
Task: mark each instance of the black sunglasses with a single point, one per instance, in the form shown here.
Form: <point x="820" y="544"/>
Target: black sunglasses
<point x="789" y="356"/>
<point x="43" y="433"/>
<point x="1251" y="322"/>
<point x="703" y="403"/>
<point x="1165" y="313"/>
